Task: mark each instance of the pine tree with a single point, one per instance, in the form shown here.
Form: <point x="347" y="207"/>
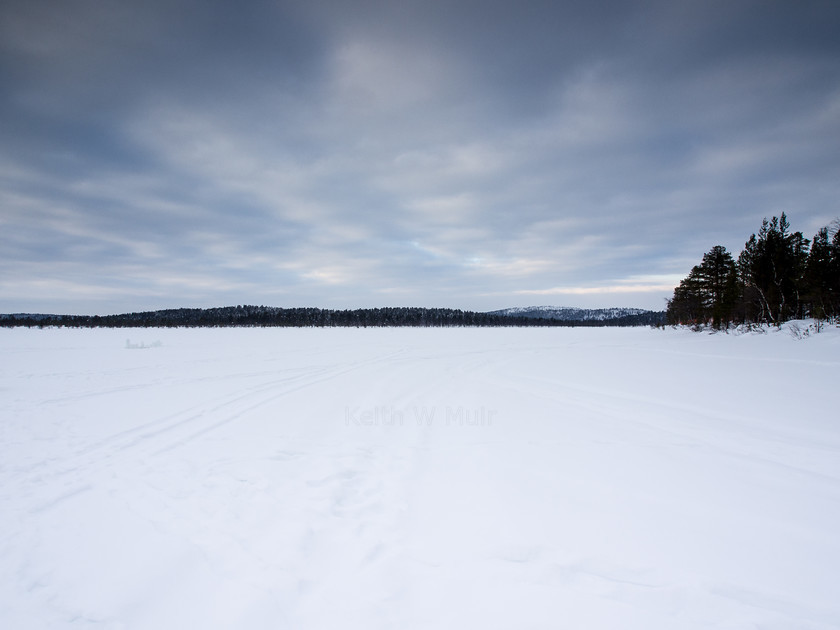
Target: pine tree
<point x="719" y="282"/>
<point x="820" y="277"/>
<point x="709" y="293"/>
<point x="772" y="269"/>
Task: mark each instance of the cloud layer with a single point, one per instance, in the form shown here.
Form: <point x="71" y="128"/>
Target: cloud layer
<point x="350" y="154"/>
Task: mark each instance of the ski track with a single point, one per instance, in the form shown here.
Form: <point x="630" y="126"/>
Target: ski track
<point x="415" y="479"/>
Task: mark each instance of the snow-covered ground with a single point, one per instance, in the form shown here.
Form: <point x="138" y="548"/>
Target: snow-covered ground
<point x="431" y="478"/>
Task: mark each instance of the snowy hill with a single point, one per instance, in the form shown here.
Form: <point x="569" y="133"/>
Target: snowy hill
<point x="569" y="313"/>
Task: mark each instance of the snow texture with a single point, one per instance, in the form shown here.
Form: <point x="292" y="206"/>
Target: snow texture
<point x="419" y="478"/>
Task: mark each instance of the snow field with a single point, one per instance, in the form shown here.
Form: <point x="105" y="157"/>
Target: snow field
<point x="418" y="478"/>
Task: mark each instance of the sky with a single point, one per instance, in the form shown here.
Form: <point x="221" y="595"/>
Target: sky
<point x="349" y="154"/>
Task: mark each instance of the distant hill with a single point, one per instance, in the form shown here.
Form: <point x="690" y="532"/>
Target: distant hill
<point x="274" y="316"/>
<point x="606" y="316"/>
<point x="29" y="316"/>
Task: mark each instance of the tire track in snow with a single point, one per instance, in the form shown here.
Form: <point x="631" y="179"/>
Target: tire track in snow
<point x="148" y="436"/>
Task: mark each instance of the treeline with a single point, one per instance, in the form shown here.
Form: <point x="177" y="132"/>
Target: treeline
<point x="306" y="317"/>
<point x="779" y="275"/>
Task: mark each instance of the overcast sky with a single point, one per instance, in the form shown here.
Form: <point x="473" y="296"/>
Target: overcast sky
<point x="343" y="154"/>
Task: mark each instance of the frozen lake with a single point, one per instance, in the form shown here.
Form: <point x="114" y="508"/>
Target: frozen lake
<point x="419" y="478"/>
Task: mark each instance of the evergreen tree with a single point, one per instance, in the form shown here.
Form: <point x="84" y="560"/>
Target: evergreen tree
<point x="686" y="307"/>
<point x="819" y="276"/>
<point x="709" y="293"/>
<point x="719" y="283"/>
<point x="772" y="269"/>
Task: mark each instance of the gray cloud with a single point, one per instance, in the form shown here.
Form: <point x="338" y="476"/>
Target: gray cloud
<point x="346" y="154"/>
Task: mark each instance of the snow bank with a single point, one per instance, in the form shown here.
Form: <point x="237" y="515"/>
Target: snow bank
<point x="403" y="478"/>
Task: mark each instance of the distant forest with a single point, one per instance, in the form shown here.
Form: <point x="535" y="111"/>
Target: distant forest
<point x="780" y="275"/>
<point x="311" y="317"/>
